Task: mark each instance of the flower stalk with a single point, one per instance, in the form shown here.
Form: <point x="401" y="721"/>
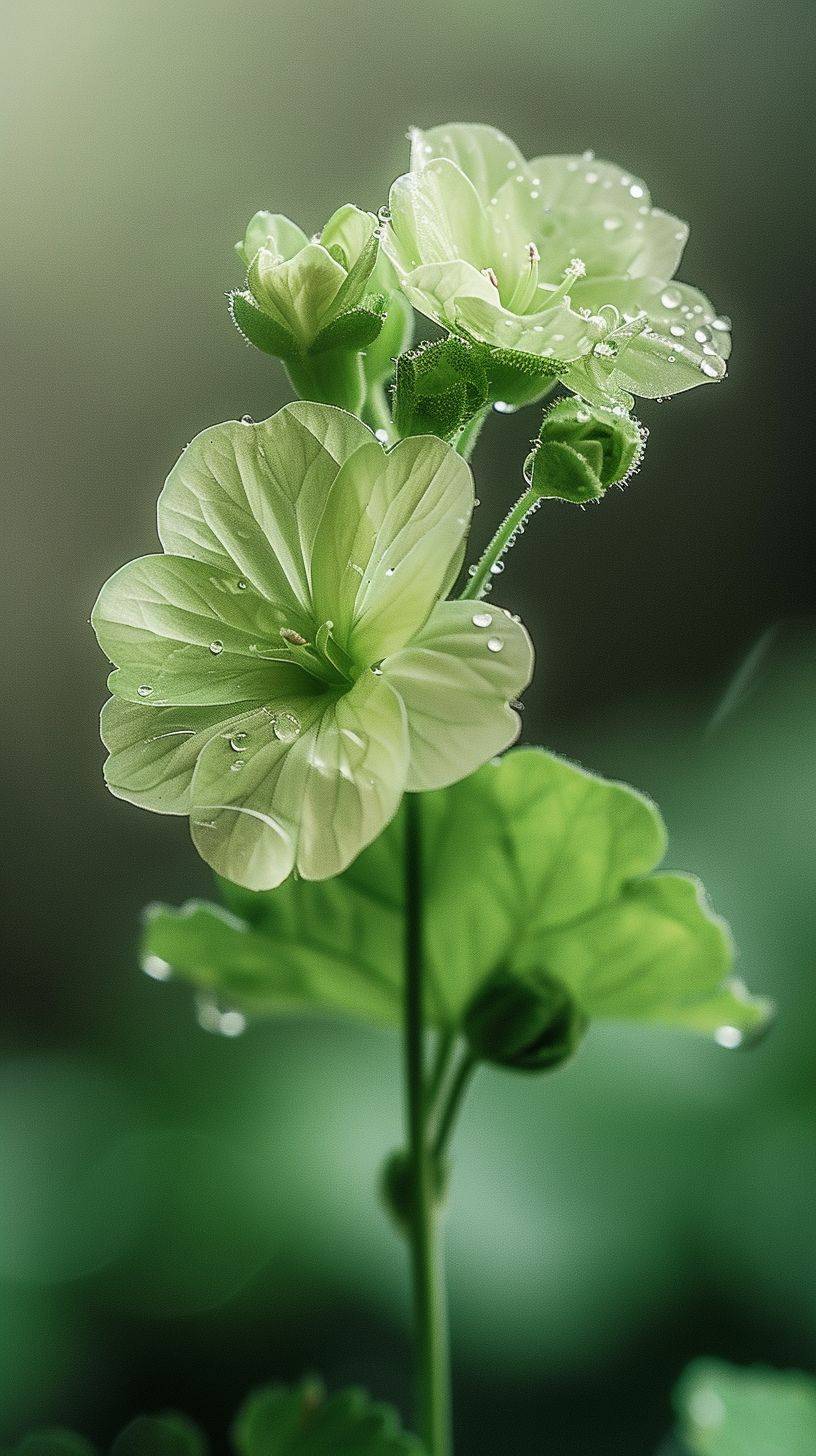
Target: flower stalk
<point x="430" y="1317"/>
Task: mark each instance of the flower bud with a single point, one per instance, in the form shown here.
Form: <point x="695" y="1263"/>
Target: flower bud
<point x="397" y="1187"/>
<point x="531" y="1025"/>
<point x="582" y="449"/>
<point x="439" y="387"/>
<point x="309" y="296"/>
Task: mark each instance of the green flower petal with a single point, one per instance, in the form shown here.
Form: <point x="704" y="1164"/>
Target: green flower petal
<point x="674" y="310"/>
<point x="319" y="779"/>
<point x="392" y="526"/>
<point x="557" y="333"/>
<point x="182" y="633"/>
<point x="248" y="498"/>
<point x="440" y="290"/>
<point x="583" y="183"/>
<point x="153" y="751"/>
<point x="613" y="240"/>
<point x="486" y="156"/>
<point x="350" y="230"/>
<point x="654" y="367"/>
<point x="456" y="680"/>
<point x="273" y="231"/>
<point x="438" y="217"/>
<point x="298" y="292"/>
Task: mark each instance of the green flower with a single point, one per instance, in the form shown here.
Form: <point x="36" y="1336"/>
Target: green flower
<point x="308" y="302"/>
<point x="288" y="669"/>
<point x="560" y="265"/>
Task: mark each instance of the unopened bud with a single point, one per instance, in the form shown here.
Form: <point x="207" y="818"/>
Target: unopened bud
<point x="582" y="449"/>
<point x="530" y="1024"/>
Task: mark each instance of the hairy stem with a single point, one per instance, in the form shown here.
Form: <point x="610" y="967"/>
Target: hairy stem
<point x="499" y="543"/>
<point x="430" y="1322"/>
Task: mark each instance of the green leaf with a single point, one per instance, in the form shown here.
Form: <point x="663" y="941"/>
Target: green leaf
<point x="164" y="1435"/>
<point x="259" y="329"/>
<point x="728" y="1411"/>
<point x="439" y="388"/>
<point x="355" y="329"/>
<point x="306" y="1422"/>
<point x="531" y="866"/>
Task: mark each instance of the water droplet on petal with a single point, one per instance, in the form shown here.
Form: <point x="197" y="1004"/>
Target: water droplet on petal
<point x="382" y="436"/>
<point x="635" y="191"/>
<point x="144" y="690"/>
<point x="389" y="570"/>
<point x="709" y="369"/>
<point x="702" y="335"/>
<point x="247" y="420"/>
<point x="286" y="727"/>
<point x="671" y="298"/>
<point x="721" y="324"/>
<point x="238" y="742"/>
<point x="494" y="644"/>
<point x="677" y="330"/>
<point x="482" y="619"/>
<point x="611" y="224"/>
<point x="216" y="647"/>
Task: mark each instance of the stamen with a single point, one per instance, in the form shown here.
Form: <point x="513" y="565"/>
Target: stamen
<point x="491" y="277"/>
<point x="554" y="294"/>
<point x="527" y="286"/>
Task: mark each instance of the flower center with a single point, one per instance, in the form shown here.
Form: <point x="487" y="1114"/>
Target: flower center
<point x="323" y="659"/>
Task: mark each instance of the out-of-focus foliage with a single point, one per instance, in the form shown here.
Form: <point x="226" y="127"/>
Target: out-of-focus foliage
<point x="275" y="1421"/>
<point x="726" y="1411"/>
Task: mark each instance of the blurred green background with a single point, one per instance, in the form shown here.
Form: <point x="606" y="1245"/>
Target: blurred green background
<point x="182" y="1216"/>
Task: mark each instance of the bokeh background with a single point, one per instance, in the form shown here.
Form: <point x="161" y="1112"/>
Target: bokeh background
<point x="181" y="1215"/>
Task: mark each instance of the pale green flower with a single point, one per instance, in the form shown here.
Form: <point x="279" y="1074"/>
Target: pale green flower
<point x="288" y="668"/>
<point x="561" y="263"/>
<point x="305" y="285"/>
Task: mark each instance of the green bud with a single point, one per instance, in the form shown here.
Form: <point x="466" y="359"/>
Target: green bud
<point x="582" y="449"/>
<point x="397" y="1189"/>
<point x="525" y="1024"/>
<point x="439" y="388"/>
<point x="309" y="293"/>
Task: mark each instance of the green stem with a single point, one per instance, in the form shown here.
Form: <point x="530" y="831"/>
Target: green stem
<point x="430" y="1324"/>
<point x="501" y="540"/>
<point x="453" y="1102"/>
<point x="441" y="1062"/>
<point x="376" y="413"/>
